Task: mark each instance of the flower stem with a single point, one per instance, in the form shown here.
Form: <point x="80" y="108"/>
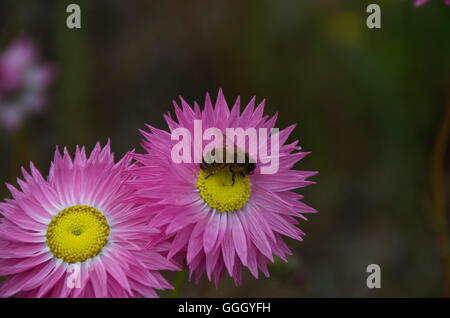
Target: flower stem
<point x="438" y="196"/>
<point x="179" y="280"/>
<point x="20" y="153"/>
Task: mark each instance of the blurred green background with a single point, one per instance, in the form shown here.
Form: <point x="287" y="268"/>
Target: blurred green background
<point x="369" y="104"/>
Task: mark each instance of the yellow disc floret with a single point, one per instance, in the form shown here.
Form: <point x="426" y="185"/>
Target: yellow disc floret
<point x="218" y="191"/>
<point x="77" y="233"/>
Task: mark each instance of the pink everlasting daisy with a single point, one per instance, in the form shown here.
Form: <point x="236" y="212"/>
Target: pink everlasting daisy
<point x="221" y="217"/>
<point x="23" y="82"/>
<point x="74" y="234"/>
<point x="419" y="3"/>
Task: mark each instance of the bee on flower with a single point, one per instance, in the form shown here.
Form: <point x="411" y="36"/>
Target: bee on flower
<point x="222" y="216"/>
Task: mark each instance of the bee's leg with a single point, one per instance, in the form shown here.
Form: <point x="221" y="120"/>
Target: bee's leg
<point x="242" y="175"/>
<point x="211" y="172"/>
<point x="232" y="175"/>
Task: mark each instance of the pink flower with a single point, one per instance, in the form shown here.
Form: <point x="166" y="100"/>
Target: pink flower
<point x="73" y="235"/>
<point x="419" y="3"/>
<point x="221" y="221"/>
<point x="23" y="83"/>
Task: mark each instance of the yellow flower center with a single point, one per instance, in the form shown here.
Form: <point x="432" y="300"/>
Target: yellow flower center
<point x="218" y="191"/>
<point x="77" y="233"/>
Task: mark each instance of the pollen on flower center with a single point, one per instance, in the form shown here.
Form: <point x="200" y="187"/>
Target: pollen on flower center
<point x="218" y="191"/>
<point x="77" y="233"/>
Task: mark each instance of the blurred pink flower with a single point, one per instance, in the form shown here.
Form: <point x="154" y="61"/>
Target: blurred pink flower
<point x="418" y="3"/>
<point x="23" y="82"/>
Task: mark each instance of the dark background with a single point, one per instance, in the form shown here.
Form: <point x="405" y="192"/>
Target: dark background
<point x="368" y="103"/>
